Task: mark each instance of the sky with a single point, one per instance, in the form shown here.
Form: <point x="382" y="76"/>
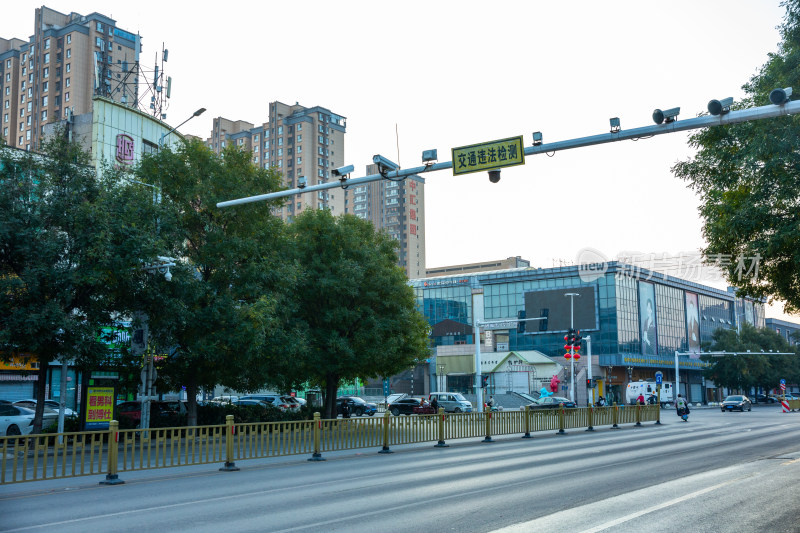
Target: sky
<point x="414" y="75"/>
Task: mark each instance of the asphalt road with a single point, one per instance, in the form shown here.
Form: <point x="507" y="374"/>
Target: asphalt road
<point x="736" y="472"/>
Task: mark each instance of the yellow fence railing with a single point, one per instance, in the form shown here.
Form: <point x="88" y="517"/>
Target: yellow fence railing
<point x="60" y="455"/>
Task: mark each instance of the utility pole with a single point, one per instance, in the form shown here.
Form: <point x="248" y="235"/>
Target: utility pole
<point x="571" y="296"/>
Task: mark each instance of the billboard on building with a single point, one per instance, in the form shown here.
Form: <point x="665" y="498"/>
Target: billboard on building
<point x="647" y="317"/>
<point x="555" y="306"/>
<point x="693" y="324"/>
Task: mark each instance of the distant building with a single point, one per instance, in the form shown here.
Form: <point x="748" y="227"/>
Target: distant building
<point x="484" y="266"/>
<point x="788" y="330"/>
<point x="67" y="61"/>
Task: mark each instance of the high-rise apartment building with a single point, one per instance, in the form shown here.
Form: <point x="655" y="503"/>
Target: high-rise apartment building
<point x="67" y="61"/>
<point x="303" y="144"/>
<point x="397" y="206"/>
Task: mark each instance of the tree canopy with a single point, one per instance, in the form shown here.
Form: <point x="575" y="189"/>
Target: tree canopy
<point x="748" y="178"/>
<point x="753" y="369"/>
<point x="353" y="302"/>
<point x="66" y="235"/>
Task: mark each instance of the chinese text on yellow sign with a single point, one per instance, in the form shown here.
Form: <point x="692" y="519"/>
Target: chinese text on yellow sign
<point x="488" y="155"/>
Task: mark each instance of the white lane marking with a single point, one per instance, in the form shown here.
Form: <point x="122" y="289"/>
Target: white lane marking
<point x="529" y="525"/>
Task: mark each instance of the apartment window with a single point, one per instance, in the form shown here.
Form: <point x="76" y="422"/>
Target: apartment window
<point x="30" y="92"/>
<point x="24" y="57"/>
<point x="299" y="127"/>
<point x="8" y="76"/>
<point x="321" y="117"/>
<point x="299" y="149"/>
<point x="22" y="112"/>
<point x="255" y="138"/>
<point x="45" y="86"/>
<point x="319" y="138"/>
<point x="68" y="67"/>
<point x="28" y="120"/>
<point x="66" y="82"/>
<point x="24" y="71"/>
<point x="266" y="134"/>
<point x="44" y="101"/>
<point x="46" y="72"/>
<point x="240" y="142"/>
<point x="319" y="150"/>
<point x="20" y="140"/>
<point x="280" y="163"/>
<point x="280" y="152"/>
<point x="255" y="149"/>
<point x="280" y="141"/>
<point x="69" y="54"/>
<point x="28" y="135"/>
<point x="66" y="97"/>
<point x="30" y="106"/>
<point x="299" y="137"/>
<point x="47" y="44"/>
<point x="320" y="128"/>
<point x="46" y="58"/>
<point x="299" y="160"/>
<point x="5" y="117"/>
<point x="69" y="38"/>
<point x="266" y="145"/>
<point x="5" y="132"/>
<point x="100" y="26"/>
<point x="44" y="114"/>
<point x="319" y="172"/>
<point x="8" y="63"/>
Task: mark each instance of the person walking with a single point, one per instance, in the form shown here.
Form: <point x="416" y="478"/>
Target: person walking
<point x="435" y="404"/>
<point x="601" y="402"/>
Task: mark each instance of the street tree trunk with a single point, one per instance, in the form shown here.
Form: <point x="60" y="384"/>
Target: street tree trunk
<point x="331" y="386"/>
<point x="191" y="400"/>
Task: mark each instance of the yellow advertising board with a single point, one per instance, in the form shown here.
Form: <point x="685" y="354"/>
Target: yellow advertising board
<point x="99" y="407"/>
<point x="488" y="156"/>
<point x="19" y="363"/>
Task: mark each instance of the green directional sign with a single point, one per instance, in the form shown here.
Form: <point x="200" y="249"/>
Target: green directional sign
<point x="488" y="156"/>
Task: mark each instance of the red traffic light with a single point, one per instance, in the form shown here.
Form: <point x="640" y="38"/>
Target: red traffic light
<point x="566" y="338"/>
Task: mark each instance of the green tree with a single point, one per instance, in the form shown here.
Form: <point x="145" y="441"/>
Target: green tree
<point x="353" y="304"/>
<point x="748" y="178"/>
<point x="756" y="368"/>
<point x="68" y="242"/>
<point x="223" y="313"/>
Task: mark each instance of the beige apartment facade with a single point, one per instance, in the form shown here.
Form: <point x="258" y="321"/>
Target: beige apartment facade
<point x="69" y="59"/>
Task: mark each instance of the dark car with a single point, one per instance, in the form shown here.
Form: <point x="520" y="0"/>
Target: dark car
<point x="552" y="402"/>
<point x="158" y="409"/>
<point x="357" y="406"/>
<point x="410" y="406"/>
<point x="736" y="403"/>
<point x="765" y="398"/>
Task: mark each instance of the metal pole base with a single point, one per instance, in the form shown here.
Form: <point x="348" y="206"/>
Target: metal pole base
<point x="112" y="479"/>
<point x="441" y="444"/>
<point x="561" y="432"/>
<point x="590" y="428"/>
<point x="638" y="424"/>
<point x="487" y="439"/>
<point x="527" y="436"/>
<point x="229" y="467"/>
<point x="615" y="426"/>
<point x="385" y="449"/>
<point x="316" y="457"/>
<point x="658" y="422"/>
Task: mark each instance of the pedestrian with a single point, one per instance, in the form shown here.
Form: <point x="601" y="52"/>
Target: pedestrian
<point x="435" y="404"/>
<point x="640" y="399"/>
<point x="345" y="409"/>
<point x="601" y="402"/>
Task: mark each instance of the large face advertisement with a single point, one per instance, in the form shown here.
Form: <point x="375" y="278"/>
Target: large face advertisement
<point x="693" y="324"/>
<point x="647" y="317"/>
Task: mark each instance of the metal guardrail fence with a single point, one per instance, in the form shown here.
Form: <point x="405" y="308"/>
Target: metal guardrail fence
<point x="60" y="455"/>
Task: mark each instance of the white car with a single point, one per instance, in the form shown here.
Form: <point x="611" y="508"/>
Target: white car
<point x="15" y="420"/>
<point x="48" y="404"/>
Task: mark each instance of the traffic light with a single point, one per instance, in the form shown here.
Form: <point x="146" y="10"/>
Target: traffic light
<point x="576" y="343"/>
<point x="589" y="383"/>
<point x="521" y="323"/>
<point x="484" y="381"/>
<point x="568" y="345"/>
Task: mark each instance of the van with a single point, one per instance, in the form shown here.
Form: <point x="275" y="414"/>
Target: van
<point x="452" y="402"/>
<point x="648" y="389"/>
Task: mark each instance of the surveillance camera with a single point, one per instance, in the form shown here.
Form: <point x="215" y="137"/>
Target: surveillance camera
<point x="429" y="156"/>
<point x="301" y="182"/>
<point x="780" y="96"/>
<point x="168" y="275"/>
<point x="343" y="171"/>
<point x="494" y="176"/>
<point x="667" y="116"/>
<point x="384" y="164"/>
<point x="537" y="138"/>
<point x="720" y="107"/>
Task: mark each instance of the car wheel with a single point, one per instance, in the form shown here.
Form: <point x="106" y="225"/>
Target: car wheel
<point x="359" y="412"/>
<point x="723" y="410"/>
<point x="395" y="411"/>
<point x="457" y="410"/>
<point x="371" y="413"/>
<point x="750" y="408"/>
<point x="13" y="431"/>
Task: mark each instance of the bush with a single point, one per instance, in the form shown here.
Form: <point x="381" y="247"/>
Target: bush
<point x="71" y="424"/>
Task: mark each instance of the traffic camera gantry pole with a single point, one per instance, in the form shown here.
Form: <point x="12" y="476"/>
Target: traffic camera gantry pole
<point x="779" y="108"/>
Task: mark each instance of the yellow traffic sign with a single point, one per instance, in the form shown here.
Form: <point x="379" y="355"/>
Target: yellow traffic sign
<point x="488" y="156"/>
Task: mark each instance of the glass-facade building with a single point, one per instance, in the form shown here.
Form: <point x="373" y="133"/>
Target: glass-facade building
<point x="637" y="319"/>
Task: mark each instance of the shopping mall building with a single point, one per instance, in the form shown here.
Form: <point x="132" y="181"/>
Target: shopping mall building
<point x="638" y="323"/>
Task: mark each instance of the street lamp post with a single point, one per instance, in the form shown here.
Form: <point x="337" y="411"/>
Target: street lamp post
<point x="442" y="378"/>
<point x="195" y="114"/>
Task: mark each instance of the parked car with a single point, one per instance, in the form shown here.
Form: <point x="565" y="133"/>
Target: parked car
<point x="301" y="401"/>
<point x="48" y="404"/>
<point x="452" y="402"/>
<point x="357" y="406"/>
<point x="19" y="420"/>
<point x="552" y="402"/>
<point x="249" y="401"/>
<point x="163" y="409"/>
<point x="737" y="402"/>
<point x="224" y="399"/>
<point x="766" y="398"/>
<point x="284" y="403"/>
<point x="409" y="406"/>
